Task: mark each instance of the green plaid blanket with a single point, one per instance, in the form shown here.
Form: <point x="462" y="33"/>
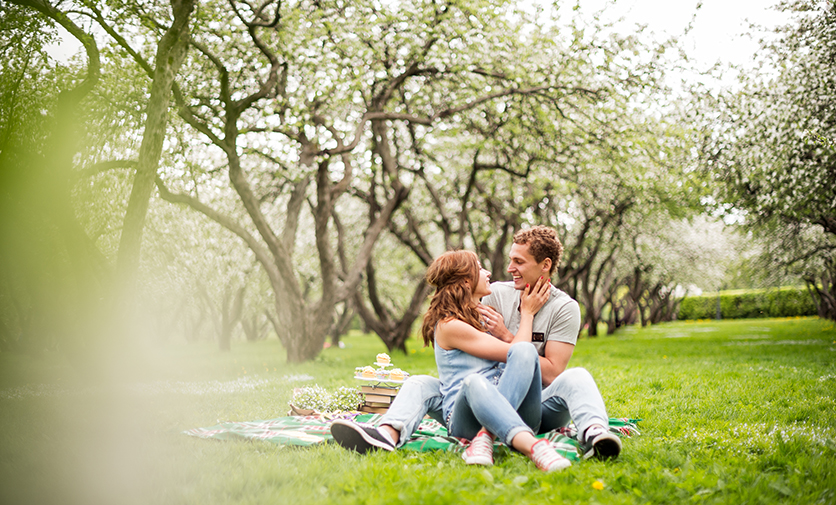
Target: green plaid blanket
<point x="430" y="436"/>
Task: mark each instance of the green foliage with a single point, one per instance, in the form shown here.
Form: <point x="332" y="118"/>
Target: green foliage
<point x="764" y="150"/>
<point x="769" y="146"/>
<point x="319" y="399"/>
<point x="312" y="397"/>
<point x="345" y="398"/>
<point x="785" y="302"/>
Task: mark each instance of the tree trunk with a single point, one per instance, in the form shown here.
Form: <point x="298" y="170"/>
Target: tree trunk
<point x="308" y="334"/>
<point x="230" y="315"/>
<point x="61" y="272"/>
<point x="822" y="289"/>
<point x="630" y="314"/>
<point x="253" y="327"/>
<point x="302" y="329"/>
<point x="611" y="321"/>
<point x="341" y="326"/>
<point x="281" y="331"/>
<point x="170" y="55"/>
<point x="393" y="332"/>
<point x="592" y="317"/>
<point x="593" y="311"/>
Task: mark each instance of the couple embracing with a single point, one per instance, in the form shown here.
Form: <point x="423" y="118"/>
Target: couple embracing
<point x="501" y="350"/>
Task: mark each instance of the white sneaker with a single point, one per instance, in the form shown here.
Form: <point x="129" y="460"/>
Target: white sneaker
<point x="480" y="450"/>
<point x="546" y="458"/>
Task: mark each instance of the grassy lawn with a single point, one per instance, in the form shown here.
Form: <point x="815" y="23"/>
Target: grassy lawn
<point x="733" y="412"/>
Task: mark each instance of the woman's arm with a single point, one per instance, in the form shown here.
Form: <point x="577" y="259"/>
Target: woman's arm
<point x="456" y="334"/>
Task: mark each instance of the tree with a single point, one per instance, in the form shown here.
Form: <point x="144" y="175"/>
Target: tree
<point x="52" y="269"/>
<point x="371" y="81"/>
<point x="771" y="147"/>
<point x="580" y="157"/>
<point x="171" y="51"/>
<point x="63" y="157"/>
<point x="306" y="322"/>
<point x="667" y="259"/>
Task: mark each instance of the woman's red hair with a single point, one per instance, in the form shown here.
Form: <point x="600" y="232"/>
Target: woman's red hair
<point x="454" y="275"/>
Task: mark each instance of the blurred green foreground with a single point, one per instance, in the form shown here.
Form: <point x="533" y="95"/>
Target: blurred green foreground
<point x="733" y="412"/>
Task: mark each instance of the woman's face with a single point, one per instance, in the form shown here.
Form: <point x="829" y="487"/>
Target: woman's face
<point x="483" y="286"/>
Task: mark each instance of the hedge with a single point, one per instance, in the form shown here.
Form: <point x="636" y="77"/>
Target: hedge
<point x="784" y="302"/>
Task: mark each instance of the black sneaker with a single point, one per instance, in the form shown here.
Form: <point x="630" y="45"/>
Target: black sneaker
<point x="358" y="437"/>
<point x="603" y="445"/>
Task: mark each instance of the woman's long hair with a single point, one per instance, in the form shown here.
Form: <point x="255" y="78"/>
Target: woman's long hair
<point x="454" y="275"/>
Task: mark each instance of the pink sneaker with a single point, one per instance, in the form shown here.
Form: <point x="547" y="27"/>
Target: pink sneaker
<point x="546" y="458"/>
<point x="480" y="450"/>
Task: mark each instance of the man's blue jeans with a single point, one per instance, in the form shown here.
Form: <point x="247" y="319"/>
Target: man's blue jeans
<point x="572" y="396"/>
<point x="506" y="409"/>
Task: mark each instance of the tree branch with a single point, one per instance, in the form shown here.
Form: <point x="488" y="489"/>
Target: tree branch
<point x="260" y="253"/>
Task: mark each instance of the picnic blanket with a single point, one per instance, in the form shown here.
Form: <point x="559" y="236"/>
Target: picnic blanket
<point x="430" y="435"/>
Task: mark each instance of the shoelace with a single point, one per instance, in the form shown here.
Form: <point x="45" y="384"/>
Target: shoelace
<point x="481" y="445"/>
<point x="545" y="457"/>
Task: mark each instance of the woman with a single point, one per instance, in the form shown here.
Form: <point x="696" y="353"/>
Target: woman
<point x="477" y="391"/>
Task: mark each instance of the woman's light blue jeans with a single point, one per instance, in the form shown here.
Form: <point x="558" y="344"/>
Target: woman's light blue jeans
<point x="506" y="409"/>
<point x="573" y="395"/>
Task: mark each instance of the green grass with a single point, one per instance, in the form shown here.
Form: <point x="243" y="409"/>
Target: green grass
<point x="735" y="412"/>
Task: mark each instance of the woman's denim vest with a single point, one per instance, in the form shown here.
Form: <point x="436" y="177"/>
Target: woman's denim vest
<point x="453" y="366"/>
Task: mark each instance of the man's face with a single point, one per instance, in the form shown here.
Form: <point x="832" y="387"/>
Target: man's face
<point x="524" y="268"/>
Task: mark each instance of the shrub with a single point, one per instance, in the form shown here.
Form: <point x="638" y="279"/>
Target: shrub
<point x="312" y="397"/>
<point x="345" y="398"/>
<point x="318" y="399"/>
<point x="784" y="302"/>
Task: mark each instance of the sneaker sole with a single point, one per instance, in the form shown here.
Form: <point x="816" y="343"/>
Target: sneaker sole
<point x="604" y="447"/>
<point x="351" y="436"/>
<point x="476" y="460"/>
<point x="565" y="463"/>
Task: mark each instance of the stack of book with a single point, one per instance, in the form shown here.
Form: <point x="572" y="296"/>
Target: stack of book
<point x="376" y="399"/>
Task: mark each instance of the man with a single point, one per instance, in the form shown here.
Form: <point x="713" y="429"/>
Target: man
<point x="567" y="395"/>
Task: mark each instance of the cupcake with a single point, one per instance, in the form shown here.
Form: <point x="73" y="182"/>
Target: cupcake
<point x="397" y="374"/>
<point x="368" y="373"/>
<point x="382" y="374"/>
<point x="383" y="359"/>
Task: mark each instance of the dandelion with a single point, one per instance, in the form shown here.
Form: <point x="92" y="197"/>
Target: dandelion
<point x="598" y="485"/>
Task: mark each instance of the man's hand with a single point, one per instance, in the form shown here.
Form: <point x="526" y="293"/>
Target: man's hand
<point x="494" y="323"/>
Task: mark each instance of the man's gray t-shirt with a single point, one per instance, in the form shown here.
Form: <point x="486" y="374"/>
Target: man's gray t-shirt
<point x="559" y="319"/>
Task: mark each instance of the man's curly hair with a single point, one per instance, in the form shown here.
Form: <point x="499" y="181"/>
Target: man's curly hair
<point x="542" y="243"/>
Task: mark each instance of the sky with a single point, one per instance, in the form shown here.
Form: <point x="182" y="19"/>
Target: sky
<point x="719" y="27"/>
<point x="716" y="35"/>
